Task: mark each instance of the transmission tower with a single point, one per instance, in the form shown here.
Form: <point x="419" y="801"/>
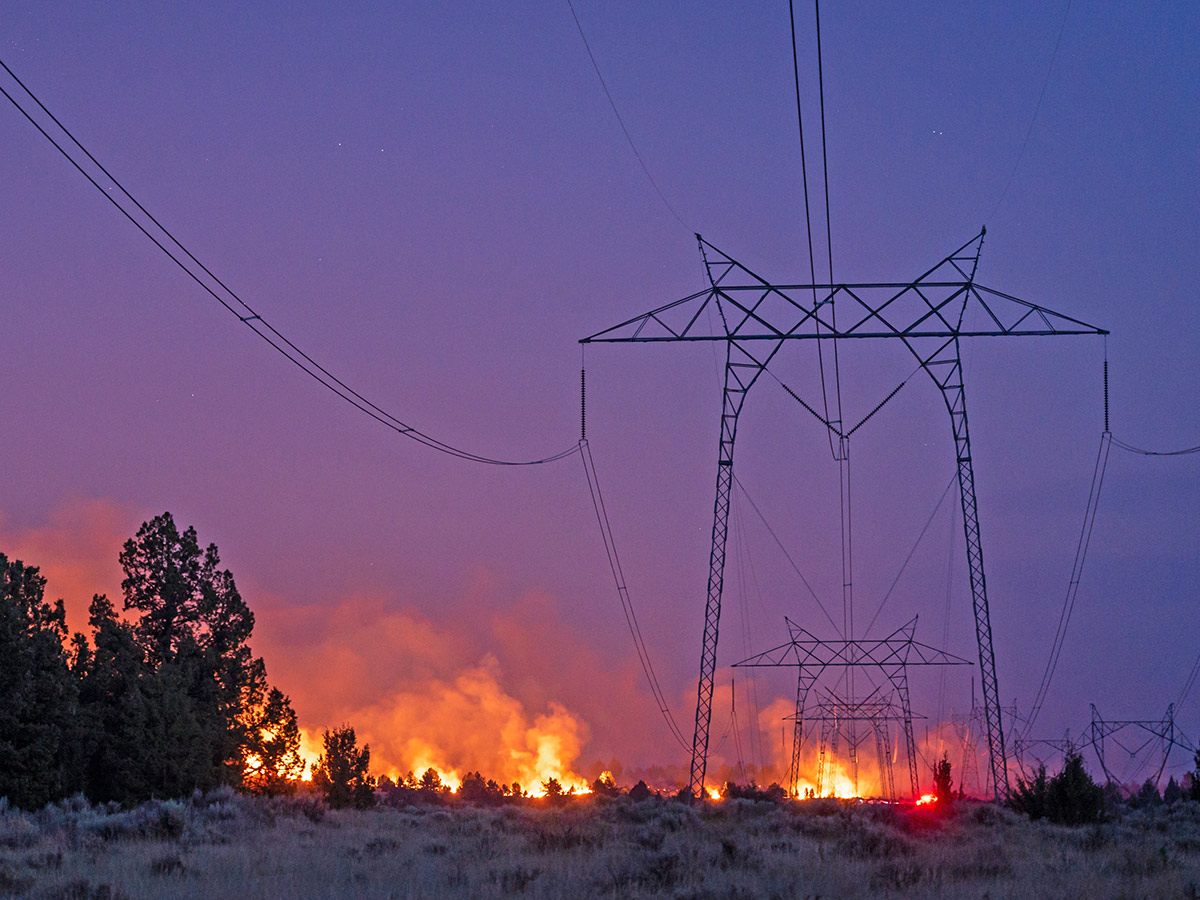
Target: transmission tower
<point x="837" y="718"/>
<point x="929" y="316"/>
<point x="1161" y="732"/>
<point x="891" y="656"/>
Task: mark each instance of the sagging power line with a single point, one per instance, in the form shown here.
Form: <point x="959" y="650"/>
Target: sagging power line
<point x="116" y="193"/>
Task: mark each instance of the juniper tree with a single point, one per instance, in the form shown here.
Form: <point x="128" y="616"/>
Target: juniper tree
<point x="37" y="695"/>
<point x="193" y="627"/>
<point x="342" y="771"/>
<point x="271" y="761"/>
<point x="943" y="782"/>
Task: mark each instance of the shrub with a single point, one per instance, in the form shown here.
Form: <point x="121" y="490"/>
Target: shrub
<point x="640" y="791"/>
<point x="1069" y="798"/>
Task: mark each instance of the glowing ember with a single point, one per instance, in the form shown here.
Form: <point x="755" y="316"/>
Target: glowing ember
<point x="713" y="793"/>
<point x="926" y="799"/>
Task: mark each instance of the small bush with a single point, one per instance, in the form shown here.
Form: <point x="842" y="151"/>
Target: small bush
<point x="1069" y="798"/>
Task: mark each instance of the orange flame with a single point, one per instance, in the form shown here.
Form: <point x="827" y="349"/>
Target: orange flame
<point x="470" y="724"/>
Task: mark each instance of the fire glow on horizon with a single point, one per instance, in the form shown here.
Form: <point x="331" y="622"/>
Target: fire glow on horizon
<point x="465" y="725"/>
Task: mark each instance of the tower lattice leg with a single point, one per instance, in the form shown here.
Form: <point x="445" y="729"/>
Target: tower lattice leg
<point x="946" y="369"/>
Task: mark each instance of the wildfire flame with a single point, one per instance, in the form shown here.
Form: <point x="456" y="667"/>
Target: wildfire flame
<point x="468" y="725"/>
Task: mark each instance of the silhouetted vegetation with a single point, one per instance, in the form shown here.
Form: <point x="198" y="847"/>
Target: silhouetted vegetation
<point x="773" y="793"/>
<point x="943" y="780"/>
<point x="475" y="789"/>
<point x="225" y="845"/>
<point x="1069" y="798"/>
<point x="640" y="791"/>
<point x="605" y="786"/>
<point x="162" y="700"/>
<point x="39" y="741"/>
<point x="342" y="772"/>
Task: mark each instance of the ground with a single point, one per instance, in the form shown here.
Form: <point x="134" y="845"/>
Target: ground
<point x="228" y="846"/>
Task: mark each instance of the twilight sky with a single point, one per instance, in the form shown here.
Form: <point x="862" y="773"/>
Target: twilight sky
<point x="436" y="202"/>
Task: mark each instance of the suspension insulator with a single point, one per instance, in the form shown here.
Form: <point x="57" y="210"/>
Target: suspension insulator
<point x="1106" y="395"/>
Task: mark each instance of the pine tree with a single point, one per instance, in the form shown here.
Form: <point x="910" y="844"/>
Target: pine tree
<point x="113" y="708"/>
<point x="1031" y="797"/>
<point x="1194" y="791"/>
<point x="37" y="694"/>
<point x="943" y="782"/>
<point x="1172" y="793"/>
<point x="342" y="771"/>
<point x="271" y="762"/>
<point x="201" y="680"/>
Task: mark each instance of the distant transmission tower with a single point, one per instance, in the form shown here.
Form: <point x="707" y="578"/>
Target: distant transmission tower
<point x="928" y="315"/>
<point x="1136" y="737"/>
<point x="891" y="656"/>
<point x="838" y="718"/>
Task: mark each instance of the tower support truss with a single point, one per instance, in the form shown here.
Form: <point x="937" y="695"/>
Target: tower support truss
<point x="1162" y="731"/>
<point x="891" y="656"/>
<point x="837" y="718"/>
<point x="929" y="315"/>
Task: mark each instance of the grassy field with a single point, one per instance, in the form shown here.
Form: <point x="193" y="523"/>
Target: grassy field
<point x="228" y="846"/>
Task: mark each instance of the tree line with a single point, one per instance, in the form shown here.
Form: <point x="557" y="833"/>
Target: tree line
<point x="160" y="698"/>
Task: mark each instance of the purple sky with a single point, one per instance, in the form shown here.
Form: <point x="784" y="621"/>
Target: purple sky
<point x="436" y="202"/>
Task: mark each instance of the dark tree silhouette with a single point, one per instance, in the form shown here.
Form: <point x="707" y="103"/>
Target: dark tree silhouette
<point x="1172" y="793"/>
<point x="605" y="786"/>
<point x="640" y="791"/>
<point x="172" y="699"/>
<point x="272" y="763"/>
<point x="193" y="617"/>
<point x="1069" y="798"/>
<point x="37" y="693"/>
<point x="475" y="789"/>
<point x="342" y="772"/>
<point x="1147" y="795"/>
<point x="943" y="781"/>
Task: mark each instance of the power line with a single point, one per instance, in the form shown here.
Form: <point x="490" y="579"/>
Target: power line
<point x="1081" y="549"/>
<point x="787" y="556"/>
<point x="912" y="552"/>
<point x="812" y="264"/>
<point x="1037" y="107"/>
<point x="614" y="563"/>
<point x="621" y="122"/>
<point x="1133" y="449"/>
<point x="232" y="302"/>
<point x="1187" y="685"/>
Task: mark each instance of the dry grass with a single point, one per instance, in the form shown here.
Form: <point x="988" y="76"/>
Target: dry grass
<point x="227" y="846"/>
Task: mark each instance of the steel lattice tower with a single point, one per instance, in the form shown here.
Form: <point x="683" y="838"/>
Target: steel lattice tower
<point x="891" y="655"/>
<point x="929" y="315"/>
<point x="834" y="714"/>
<point x="1161" y="730"/>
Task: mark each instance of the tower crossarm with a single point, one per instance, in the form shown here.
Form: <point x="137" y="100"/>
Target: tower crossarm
<point x="944" y="302"/>
<point x="883" y="654"/>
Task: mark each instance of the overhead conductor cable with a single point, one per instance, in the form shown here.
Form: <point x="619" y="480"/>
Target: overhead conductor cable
<point x="231" y="301"/>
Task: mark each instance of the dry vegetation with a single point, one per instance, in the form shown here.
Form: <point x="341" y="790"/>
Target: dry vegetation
<point x="224" y="845"/>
